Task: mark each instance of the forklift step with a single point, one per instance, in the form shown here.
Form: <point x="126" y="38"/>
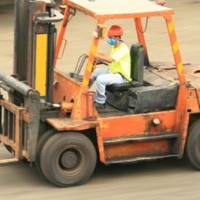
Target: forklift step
<point x="161" y="136"/>
<point x="138" y="159"/>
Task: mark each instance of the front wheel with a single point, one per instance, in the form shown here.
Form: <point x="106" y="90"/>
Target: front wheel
<point x="193" y="144"/>
<point x="44" y="138"/>
<point x="68" y="159"/>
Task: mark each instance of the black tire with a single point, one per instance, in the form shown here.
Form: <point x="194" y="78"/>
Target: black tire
<point x="68" y="159"/>
<point x="42" y="140"/>
<point x="193" y="144"/>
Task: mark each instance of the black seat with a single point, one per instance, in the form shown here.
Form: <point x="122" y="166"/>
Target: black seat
<point x="137" y="64"/>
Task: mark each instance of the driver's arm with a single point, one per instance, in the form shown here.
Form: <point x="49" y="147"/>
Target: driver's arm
<point x="103" y="57"/>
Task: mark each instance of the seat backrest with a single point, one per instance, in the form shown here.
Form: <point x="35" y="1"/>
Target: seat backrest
<point x="137" y="62"/>
<point x="137" y="66"/>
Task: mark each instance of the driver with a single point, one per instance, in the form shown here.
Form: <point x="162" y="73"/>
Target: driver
<point x="119" y="71"/>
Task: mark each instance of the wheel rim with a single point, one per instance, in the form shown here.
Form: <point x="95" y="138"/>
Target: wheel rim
<point x="70" y="161"/>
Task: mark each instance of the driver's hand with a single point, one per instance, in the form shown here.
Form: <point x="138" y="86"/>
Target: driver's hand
<point x="95" y="61"/>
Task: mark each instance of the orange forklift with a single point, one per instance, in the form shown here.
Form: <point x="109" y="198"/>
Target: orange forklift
<point x="48" y="116"/>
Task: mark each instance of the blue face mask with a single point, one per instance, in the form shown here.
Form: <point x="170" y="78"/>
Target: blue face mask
<point x="112" y="41"/>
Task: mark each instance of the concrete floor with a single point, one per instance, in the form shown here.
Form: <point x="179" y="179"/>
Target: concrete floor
<point x="6" y="2"/>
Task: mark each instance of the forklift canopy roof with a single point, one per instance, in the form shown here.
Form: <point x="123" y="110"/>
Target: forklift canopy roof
<point x="116" y="9"/>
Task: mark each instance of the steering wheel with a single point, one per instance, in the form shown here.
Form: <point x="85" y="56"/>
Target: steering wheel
<point x="101" y="62"/>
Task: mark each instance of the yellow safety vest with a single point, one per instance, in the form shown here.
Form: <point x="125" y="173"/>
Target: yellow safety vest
<point x="122" y="61"/>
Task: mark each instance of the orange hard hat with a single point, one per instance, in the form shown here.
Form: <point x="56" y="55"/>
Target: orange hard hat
<point x="115" y="30"/>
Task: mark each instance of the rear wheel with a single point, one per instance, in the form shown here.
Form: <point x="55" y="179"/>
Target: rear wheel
<point x="68" y="159"/>
<point x="193" y="144"/>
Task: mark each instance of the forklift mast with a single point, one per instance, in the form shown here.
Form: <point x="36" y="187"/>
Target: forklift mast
<point x="34" y="45"/>
<point x="30" y="85"/>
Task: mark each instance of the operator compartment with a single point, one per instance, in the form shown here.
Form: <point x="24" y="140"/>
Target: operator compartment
<point x="147" y="92"/>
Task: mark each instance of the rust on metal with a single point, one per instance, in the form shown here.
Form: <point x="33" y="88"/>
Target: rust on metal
<point x="90" y="111"/>
<point x="8" y="160"/>
<point x="69" y="91"/>
<point x="12" y="127"/>
<point x="7" y="141"/>
<point x="66" y="106"/>
<point x="112" y="127"/>
<point x="62" y="124"/>
<point x="137" y="149"/>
